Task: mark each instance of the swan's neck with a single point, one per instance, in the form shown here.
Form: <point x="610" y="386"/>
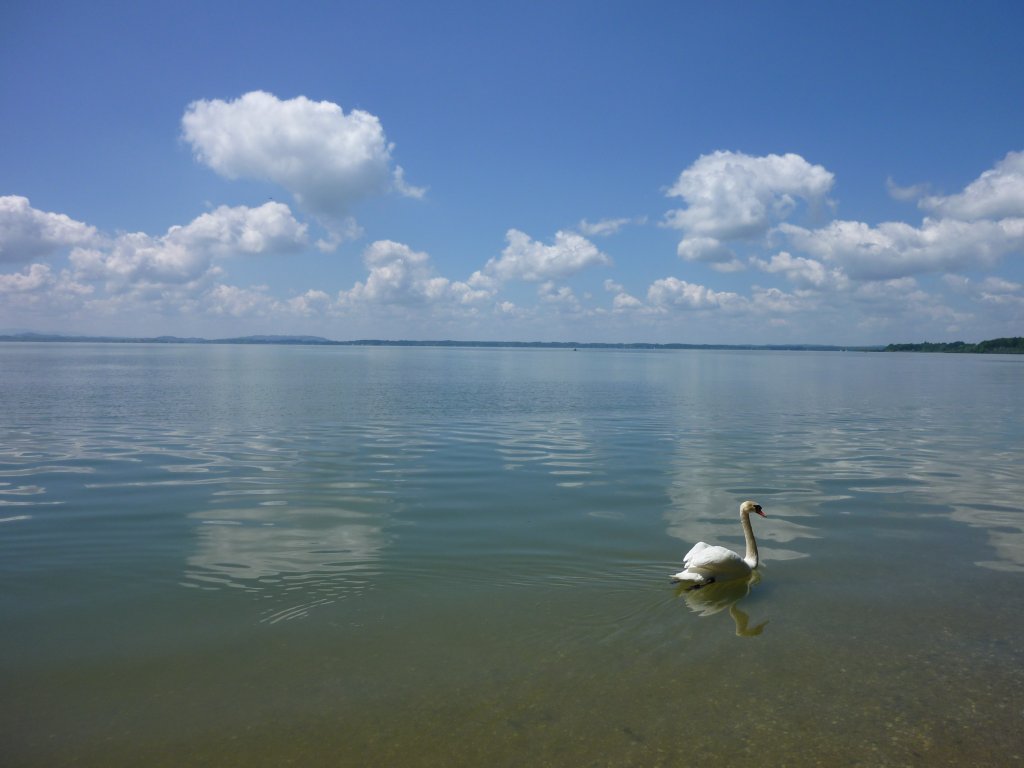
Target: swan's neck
<point x="748" y="534"/>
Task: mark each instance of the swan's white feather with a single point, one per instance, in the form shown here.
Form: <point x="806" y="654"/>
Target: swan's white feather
<point x="705" y="563"/>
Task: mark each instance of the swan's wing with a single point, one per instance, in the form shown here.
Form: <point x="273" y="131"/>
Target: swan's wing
<point x="705" y="556"/>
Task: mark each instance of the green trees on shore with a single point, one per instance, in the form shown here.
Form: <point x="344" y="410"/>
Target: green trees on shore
<point x="1005" y="346"/>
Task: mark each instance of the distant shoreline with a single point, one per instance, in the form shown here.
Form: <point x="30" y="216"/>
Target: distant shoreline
<point x="320" y="341"/>
<point x="1012" y="345"/>
<point x="1005" y="346"/>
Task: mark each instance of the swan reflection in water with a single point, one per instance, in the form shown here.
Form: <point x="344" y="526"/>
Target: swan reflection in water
<point x="709" y="599"/>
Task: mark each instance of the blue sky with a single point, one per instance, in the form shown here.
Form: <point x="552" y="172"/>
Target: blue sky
<point x="697" y="172"/>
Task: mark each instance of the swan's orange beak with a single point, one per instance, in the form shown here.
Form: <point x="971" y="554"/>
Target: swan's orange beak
<point x="760" y="511"/>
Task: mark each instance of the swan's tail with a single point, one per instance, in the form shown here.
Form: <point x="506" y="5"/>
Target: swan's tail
<point x="694" y="578"/>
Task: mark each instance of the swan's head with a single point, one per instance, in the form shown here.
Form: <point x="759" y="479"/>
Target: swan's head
<point x="751" y="506"/>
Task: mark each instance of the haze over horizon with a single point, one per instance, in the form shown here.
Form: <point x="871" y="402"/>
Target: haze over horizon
<point x="600" y="172"/>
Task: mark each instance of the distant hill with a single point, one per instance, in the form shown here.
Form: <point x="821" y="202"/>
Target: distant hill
<point x="30" y="336"/>
<point x="1007" y="346"/>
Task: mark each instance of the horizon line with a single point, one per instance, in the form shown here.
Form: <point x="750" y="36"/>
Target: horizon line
<point x="312" y="340"/>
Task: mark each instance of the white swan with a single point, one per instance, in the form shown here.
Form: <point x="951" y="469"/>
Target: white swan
<point x="705" y="564"/>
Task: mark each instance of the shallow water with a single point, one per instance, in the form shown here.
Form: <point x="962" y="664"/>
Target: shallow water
<point x="231" y="555"/>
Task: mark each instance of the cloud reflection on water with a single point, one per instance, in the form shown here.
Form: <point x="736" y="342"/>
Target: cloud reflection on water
<point x="559" y="445"/>
<point x="314" y="534"/>
<point x="300" y="520"/>
<point x="320" y="555"/>
<point x="893" y="458"/>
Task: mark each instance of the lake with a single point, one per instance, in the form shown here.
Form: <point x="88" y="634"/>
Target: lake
<point x="377" y="556"/>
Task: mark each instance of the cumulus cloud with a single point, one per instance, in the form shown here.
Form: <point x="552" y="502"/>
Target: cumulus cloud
<point x="896" y="249"/>
<point x="673" y="293"/>
<point x="186" y="253"/>
<point x="326" y="158"/>
<point x="398" y="275"/>
<point x="803" y="271"/>
<point x="135" y="257"/>
<point x="527" y="259"/>
<point x="901" y="303"/>
<point x="309" y="303"/>
<point x="238" y="302"/>
<point x="711" y="250"/>
<point x="740" y="211"/>
<point x="31" y="279"/>
<point x="227" y="231"/>
<point x="993" y="291"/>
<point x="734" y="196"/>
<point x="997" y="194"/>
<point x="27" y="233"/>
<point x="562" y="296"/>
<point x="40" y="288"/>
<point x="974" y="229"/>
<point x="624" y="302"/>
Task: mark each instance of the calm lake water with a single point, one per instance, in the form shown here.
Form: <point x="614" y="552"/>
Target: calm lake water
<point x="264" y="556"/>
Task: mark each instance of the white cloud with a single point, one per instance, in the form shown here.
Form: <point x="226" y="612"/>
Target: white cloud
<point x="606" y="227"/>
<point x="31" y="279"/>
<point x="896" y="249"/>
<point x="802" y="271"/>
<point x="1008" y="299"/>
<point x="405" y="188"/>
<point x="509" y="309"/>
<point x="847" y="280"/>
<point x="601" y="228"/>
<point x="402" y="276"/>
<point x="186" y="253"/>
<point x="238" y="302"/>
<point x="913" y="192"/>
<point x="327" y="159"/>
<point x="1001" y="285"/>
<point x="624" y="302"/>
<point x="903" y="301"/>
<point x="875" y="266"/>
<point x="769" y="302"/>
<point x="734" y="196"/>
<point x="530" y="260"/>
<point x="38" y="289"/>
<point x="137" y="257"/>
<point x="710" y="250"/>
<point x="997" y="194"/>
<point x="673" y="293"/>
<point x="309" y="303"/>
<point x="27" y="233"/>
<point x="994" y="291"/>
<point x="560" y="296"/>
<point x="227" y="231"/>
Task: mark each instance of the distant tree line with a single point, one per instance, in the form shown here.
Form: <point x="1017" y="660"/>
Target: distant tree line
<point x="319" y="340"/>
<point x="1007" y="346"/>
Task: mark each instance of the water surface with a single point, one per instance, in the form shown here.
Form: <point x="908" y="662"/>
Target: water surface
<point x="232" y="555"/>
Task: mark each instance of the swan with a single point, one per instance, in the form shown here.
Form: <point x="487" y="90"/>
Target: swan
<point x="705" y="564"/>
